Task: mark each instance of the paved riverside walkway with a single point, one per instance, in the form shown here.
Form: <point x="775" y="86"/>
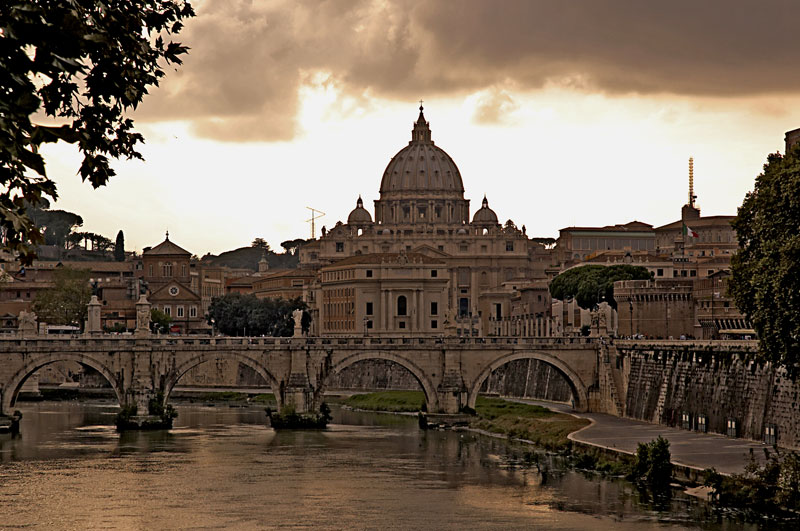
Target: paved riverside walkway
<point x="688" y="448"/>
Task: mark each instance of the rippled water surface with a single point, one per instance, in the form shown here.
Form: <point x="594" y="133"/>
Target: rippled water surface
<point x="221" y="467"/>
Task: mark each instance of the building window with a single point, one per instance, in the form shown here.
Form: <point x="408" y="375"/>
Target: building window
<point x="463" y="306"/>
<point x="402" y="324"/>
<point x="369" y="324"/>
<point x="484" y="249"/>
<point x="422" y="212"/>
<point x="369" y="308"/>
<point x="463" y="247"/>
<point x="406" y="212"/>
<point x="402" y="305"/>
<point x="509" y="246"/>
<point x="659" y="272"/>
<point x="434" y="308"/>
<point x="498" y="311"/>
<point x="732" y="427"/>
<point x="193" y="311"/>
<point x="434" y="273"/>
<point x="151" y="270"/>
<point x="166" y="269"/>
<point x="434" y="323"/>
<point x="440" y="247"/>
<point x="183" y="270"/>
<point x="369" y="273"/>
<point x="168" y="310"/>
<point x="693" y="273"/>
<point x="710" y="272"/>
<point x="339" y="247"/>
<point x="179" y="311"/>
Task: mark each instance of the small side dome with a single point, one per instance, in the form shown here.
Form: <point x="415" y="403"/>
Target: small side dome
<point x="461" y="231"/>
<point x="485" y="215"/>
<point x="359" y="214"/>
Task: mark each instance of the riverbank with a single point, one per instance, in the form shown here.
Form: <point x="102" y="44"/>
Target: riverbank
<point x="538" y="425"/>
<point x="692" y="451"/>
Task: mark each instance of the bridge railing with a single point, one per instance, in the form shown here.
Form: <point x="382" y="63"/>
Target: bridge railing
<point x="690" y="344"/>
<point x="119" y="340"/>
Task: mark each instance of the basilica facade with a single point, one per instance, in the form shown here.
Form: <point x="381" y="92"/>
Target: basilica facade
<point x="421" y="265"/>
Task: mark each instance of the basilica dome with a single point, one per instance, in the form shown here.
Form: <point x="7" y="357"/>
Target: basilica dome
<point x="359" y="214"/>
<point x="422" y="167"/>
<point x="485" y="215"/>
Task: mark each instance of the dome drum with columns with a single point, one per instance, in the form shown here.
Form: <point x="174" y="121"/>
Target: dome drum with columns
<point x="421" y="212"/>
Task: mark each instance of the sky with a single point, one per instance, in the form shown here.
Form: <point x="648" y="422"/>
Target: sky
<point x="563" y="113"/>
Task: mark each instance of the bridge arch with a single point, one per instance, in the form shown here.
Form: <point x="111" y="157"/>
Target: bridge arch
<point x="431" y="398"/>
<point x="36" y="362"/>
<point x="174" y="376"/>
<point x="579" y="391"/>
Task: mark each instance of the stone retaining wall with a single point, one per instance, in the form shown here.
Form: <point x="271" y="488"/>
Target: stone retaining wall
<point x="671" y="386"/>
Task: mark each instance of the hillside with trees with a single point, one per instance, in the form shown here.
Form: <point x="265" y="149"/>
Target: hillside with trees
<point x="248" y="257"/>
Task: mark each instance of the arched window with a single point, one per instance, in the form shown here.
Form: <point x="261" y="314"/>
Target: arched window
<point x="402" y="305"/>
<point x="167" y="269"/>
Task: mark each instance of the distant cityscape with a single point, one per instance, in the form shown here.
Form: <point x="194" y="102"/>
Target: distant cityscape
<point x="421" y="266"/>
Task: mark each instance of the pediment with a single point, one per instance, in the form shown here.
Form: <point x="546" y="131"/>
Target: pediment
<point x="173" y="290"/>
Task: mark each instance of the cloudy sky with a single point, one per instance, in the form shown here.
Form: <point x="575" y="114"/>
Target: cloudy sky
<point x="580" y="112"/>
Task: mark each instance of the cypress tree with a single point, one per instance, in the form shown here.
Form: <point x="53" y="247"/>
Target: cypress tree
<point x="119" y="247"/>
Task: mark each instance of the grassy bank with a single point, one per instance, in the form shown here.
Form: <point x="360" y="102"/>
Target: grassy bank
<point x="392" y="401"/>
<point x="544" y="427"/>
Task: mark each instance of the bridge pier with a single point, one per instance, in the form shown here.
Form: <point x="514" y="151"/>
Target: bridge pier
<point x="451" y="399"/>
<point x="298" y="393"/>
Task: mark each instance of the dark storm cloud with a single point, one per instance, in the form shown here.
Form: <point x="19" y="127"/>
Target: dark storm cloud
<point x="248" y="59"/>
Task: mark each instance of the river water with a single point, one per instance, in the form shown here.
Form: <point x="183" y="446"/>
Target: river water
<point x="220" y="467"/>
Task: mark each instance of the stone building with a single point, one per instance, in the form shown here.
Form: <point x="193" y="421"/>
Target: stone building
<point x="660" y="308"/>
<point x="166" y="268"/>
<point x="422" y="215"/>
<point x="384" y="293"/>
<point x="578" y="244"/>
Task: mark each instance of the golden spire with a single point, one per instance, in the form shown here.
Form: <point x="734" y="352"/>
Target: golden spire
<point x="691" y="181"/>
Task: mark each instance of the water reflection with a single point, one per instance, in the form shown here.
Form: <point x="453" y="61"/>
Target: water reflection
<point x="221" y="467"/>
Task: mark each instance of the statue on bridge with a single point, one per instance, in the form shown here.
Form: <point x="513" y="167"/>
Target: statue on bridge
<point x="26" y="322"/>
<point x="297" y="315"/>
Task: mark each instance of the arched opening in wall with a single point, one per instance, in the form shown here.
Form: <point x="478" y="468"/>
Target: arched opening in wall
<point x="212" y="378"/>
<point x="64" y="377"/>
<point x="401" y="379"/>
<point x="545" y="380"/>
<point x="527" y="378"/>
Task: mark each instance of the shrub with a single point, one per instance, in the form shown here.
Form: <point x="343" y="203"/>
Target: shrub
<point x="652" y="463"/>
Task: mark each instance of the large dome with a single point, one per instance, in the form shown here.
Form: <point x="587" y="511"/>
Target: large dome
<point x="421" y="166"/>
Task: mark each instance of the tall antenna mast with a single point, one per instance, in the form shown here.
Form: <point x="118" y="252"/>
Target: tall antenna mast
<point x="691" y="181"/>
<point x="314" y="217"/>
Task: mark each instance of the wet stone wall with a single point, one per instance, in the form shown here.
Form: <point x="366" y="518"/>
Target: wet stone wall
<point x="528" y="379"/>
<point x="725" y="389"/>
<point x="521" y="378"/>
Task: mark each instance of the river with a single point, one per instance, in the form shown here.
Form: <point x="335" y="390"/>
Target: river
<point x="220" y="467"/>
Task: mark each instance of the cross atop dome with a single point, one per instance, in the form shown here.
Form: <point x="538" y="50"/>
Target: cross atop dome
<point x="421" y="132"/>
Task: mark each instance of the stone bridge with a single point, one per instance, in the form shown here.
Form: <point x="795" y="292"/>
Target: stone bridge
<point x="450" y="371"/>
